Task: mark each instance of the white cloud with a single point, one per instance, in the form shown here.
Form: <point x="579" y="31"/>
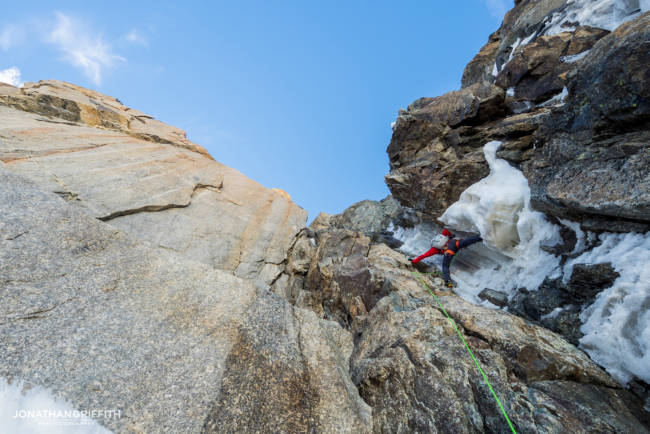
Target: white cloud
<point x="498" y="8"/>
<point x="82" y="48"/>
<point x="135" y="37"/>
<point x="11" y="76"/>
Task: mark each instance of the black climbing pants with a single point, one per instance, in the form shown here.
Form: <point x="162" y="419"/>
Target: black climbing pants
<point x="446" y="262"/>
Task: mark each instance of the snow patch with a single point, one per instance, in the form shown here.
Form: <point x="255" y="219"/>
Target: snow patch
<point x="20" y="411"/>
<point x="604" y="14"/>
<point x="510" y="91"/>
<point x="520" y="43"/>
<point x="527" y="39"/>
<point x="495" y="70"/>
<point x="581" y="237"/>
<point x="617" y="325"/>
<point x="575" y="57"/>
<point x="557" y="100"/>
<point x="552" y="314"/>
<point x="514" y="48"/>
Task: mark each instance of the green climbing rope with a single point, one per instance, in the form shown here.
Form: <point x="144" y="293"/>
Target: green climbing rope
<point x="419" y="277"/>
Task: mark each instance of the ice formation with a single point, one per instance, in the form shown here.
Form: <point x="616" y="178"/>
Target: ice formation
<point x="495" y="70"/>
<point x="617" y="324"/>
<point x="37" y="411"/>
<point x="497" y="207"/>
<point x="513" y="49"/>
<point x="553" y="314"/>
<point x="519" y="43"/>
<point x="574" y="57"/>
<point x="557" y="100"/>
<point x="583" y="239"/>
<point x="604" y="14"/>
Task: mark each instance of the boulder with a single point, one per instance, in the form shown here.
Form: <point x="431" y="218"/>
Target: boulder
<point x="369" y="217"/>
<point x="587" y="280"/>
<point x="481" y="68"/>
<point x="550" y="306"/>
<point x="427" y="118"/>
<point x="551" y="294"/>
<point x="427" y="168"/>
<point x="497" y="298"/>
<point x="374" y="218"/>
<point x="565" y="322"/>
<point x="339" y="284"/>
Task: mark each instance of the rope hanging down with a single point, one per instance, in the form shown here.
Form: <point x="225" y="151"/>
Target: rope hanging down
<point x="419" y="277"/>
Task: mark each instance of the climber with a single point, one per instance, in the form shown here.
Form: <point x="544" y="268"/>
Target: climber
<point x="445" y="244"/>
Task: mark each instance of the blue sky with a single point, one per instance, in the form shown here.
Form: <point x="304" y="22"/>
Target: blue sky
<point x="297" y="95"/>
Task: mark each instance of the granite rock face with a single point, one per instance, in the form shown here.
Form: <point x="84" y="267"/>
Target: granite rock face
<point x="368" y="216"/>
<point x="595" y="161"/>
<point x="145" y="178"/>
<point x="413" y="370"/>
<point x="535" y="73"/>
<point x="139" y="274"/>
<point x="105" y="320"/>
<point x="375" y="219"/>
<point x="408" y="353"/>
<point x="524" y="19"/>
<point x="67" y="102"/>
<point x="568" y="102"/>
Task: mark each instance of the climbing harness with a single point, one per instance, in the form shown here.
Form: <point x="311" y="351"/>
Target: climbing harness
<point x="419" y="277"/>
<point x="452" y="252"/>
